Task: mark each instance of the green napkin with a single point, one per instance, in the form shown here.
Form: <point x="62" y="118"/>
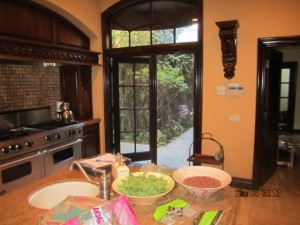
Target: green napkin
<point x="162" y="210"/>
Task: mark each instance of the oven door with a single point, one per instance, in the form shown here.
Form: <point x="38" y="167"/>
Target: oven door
<point x="58" y="157"/>
<point x="18" y="171"/>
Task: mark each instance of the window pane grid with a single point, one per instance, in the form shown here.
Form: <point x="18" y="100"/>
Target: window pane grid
<point x="134" y="106"/>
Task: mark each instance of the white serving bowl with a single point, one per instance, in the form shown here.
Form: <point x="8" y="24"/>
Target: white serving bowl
<point x="182" y="173"/>
<point x="148" y="199"/>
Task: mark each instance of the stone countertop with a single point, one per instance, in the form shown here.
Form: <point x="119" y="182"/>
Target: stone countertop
<point x="90" y="122"/>
<point x="14" y="206"/>
<point x="15" y="209"/>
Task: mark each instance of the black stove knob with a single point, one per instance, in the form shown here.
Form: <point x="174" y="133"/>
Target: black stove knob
<point x="18" y="147"/>
<point x="5" y="150"/>
<point x="47" y="138"/>
<point x="11" y="147"/>
<point x="57" y="136"/>
<point x="28" y="143"/>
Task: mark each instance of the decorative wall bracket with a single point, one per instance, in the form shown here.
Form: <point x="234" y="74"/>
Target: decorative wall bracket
<point x="228" y="36"/>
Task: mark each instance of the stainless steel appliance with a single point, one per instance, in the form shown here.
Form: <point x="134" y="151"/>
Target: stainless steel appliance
<point x="31" y="152"/>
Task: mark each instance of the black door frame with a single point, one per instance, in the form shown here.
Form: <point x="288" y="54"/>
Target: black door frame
<point x="264" y="44"/>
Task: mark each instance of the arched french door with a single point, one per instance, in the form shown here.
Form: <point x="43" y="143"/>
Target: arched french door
<point x="152" y="69"/>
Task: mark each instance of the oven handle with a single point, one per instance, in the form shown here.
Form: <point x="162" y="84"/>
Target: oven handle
<point x="23" y="159"/>
<point x="63" y="146"/>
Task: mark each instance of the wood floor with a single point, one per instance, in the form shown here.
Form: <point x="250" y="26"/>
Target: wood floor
<point x="278" y="210"/>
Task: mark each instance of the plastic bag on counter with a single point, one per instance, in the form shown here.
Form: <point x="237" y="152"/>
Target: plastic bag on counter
<point x="90" y="211"/>
<point x="109" y="213"/>
<point x="68" y="208"/>
<point x="151" y="167"/>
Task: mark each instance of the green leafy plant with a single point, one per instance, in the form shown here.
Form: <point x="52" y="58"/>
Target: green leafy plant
<point x="143" y="185"/>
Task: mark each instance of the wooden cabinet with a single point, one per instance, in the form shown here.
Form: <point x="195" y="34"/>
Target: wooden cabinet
<point x="76" y="88"/>
<point x="91" y="140"/>
<point x="32" y="32"/>
<point x="28" y="21"/>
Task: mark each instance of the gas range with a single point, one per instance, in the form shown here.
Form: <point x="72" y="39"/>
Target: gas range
<point x="16" y="141"/>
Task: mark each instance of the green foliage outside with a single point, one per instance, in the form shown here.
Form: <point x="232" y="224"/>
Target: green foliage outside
<point x="175" y="80"/>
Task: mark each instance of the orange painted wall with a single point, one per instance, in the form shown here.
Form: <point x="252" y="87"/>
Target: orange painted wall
<point x="257" y="19"/>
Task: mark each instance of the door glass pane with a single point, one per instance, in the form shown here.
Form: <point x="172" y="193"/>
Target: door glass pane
<point x="143" y="140"/>
<point x="142" y="120"/>
<point x="284" y="90"/>
<point x="141" y="75"/>
<point x="126" y="94"/>
<point x="127" y="142"/>
<point x="142" y="97"/>
<point x="285" y="75"/>
<point x="284" y="104"/>
<point x="126" y="74"/>
<point x="126" y="120"/>
<point x="175" y="106"/>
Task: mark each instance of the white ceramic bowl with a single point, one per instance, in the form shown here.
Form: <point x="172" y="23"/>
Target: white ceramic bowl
<point x="182" y="173"/>
<point x="149" y="199"/>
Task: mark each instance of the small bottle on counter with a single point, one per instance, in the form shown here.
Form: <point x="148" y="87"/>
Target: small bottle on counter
<point x="119" y="168"/>
<point x="114" y="166"/>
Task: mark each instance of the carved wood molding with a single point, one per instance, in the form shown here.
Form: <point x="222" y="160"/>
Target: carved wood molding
<point x="228" y="36"/>
<point x="29" y="52"/>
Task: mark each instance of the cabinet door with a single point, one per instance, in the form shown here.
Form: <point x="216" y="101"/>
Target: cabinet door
<point x="90" y="146"/>
<point x="76" y="88"/>
<point x="91" y="141"/>
<point x="85" y="92"/>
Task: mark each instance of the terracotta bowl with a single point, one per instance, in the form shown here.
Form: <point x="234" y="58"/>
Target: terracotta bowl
<point x="149" y="199"/>
<point x="180" y="174"/>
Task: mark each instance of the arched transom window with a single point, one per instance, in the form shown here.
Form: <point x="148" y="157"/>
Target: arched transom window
<point x="147" y="23"/>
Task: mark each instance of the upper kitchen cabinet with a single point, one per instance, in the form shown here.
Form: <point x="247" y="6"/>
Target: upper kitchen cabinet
<point x="31" y="32"/>
<point x="76" y="88"/>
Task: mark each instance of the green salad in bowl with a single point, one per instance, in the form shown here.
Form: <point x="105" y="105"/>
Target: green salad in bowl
<point x="144" y="187"/>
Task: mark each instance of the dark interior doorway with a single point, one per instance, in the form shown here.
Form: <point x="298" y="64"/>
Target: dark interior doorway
<point x="266" y="133"/>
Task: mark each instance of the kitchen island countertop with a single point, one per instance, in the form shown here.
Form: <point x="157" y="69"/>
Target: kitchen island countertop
<point x="15" y="209"/>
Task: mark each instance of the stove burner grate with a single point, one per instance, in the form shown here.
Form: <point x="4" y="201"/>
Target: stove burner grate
<point x="17" y="132"/>
<point x="52" y="124"/>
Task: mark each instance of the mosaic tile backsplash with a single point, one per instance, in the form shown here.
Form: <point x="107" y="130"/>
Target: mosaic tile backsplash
<point x="29" y="86"/>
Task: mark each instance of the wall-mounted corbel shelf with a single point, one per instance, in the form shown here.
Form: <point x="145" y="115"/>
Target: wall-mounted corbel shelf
<point x="228" y="36"/>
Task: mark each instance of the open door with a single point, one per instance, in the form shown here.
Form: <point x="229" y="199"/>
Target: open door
<point x="152" y="107"/>
<point x="266" y="143"/>
<point x="131" y="107"/>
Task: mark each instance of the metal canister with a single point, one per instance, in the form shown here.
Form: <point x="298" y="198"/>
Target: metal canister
<point x="105" y="186"/>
